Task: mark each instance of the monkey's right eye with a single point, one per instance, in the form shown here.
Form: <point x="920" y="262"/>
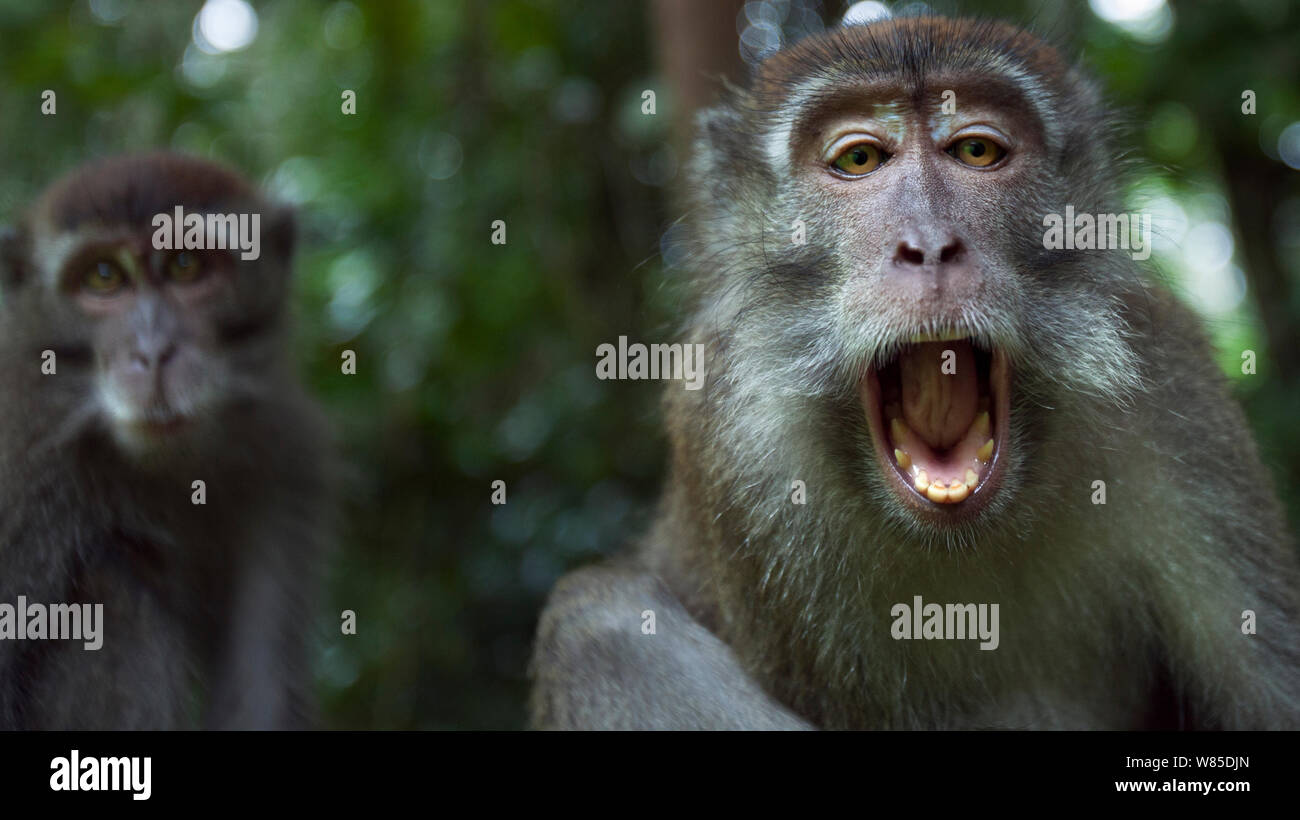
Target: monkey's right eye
<point x="859" y="160"/>
<point x="185" y="267"/>
<point x="103" y="278"/>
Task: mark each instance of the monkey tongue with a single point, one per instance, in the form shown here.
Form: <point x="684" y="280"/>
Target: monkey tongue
<point x="940" y="390"/>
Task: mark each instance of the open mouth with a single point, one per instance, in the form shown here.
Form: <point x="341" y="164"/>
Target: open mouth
<point x="938" y="416"/>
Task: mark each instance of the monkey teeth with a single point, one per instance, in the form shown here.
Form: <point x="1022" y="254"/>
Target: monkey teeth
<point x="951" y="493"/>
<point x="966" y="462"/>
<point x="899" y="431"/>
<point x="957" y="489"/>
<point x="938" y="430"/>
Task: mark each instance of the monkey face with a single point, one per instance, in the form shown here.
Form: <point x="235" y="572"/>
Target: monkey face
<point x="914" y="200"/>
<point x="158" y="372"/>
<point x="884" y="293"/>
<point x="155" y="341"/>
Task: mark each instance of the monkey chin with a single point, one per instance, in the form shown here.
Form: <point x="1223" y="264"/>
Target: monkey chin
<point x="154" y="439"/>
<point x="938" y="413"/>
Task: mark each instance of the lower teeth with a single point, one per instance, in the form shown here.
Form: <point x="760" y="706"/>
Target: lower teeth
<point x="942" y="490"/>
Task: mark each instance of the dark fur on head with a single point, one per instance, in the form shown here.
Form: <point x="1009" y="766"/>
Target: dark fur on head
<point x="130" y="189"/>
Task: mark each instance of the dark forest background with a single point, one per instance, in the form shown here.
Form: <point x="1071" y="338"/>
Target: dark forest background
<point x="475" y="361"/>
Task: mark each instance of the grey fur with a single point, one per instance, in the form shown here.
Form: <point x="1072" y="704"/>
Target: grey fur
<point x="1125" y="615"/>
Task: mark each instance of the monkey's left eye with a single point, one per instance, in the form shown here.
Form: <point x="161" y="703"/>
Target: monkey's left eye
<point x="978" y="152"/>
<point x="184" y="267"/>
<point x="859" y="160"/>
<point x="103" y="279"/>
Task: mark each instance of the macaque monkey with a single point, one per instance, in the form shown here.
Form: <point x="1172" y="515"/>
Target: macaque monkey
<point x="157" y="456"/>
<point x="977" y="416"/>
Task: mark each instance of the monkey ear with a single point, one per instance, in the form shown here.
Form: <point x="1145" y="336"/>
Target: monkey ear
<point x="720" y="135"/>
<point x="11" y="255"/>
<point x="282" y="231"/>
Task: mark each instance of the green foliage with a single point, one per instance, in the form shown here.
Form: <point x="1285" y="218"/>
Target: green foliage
<point x="475" y="360"/>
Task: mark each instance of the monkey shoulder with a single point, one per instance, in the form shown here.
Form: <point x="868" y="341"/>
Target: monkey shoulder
<point x="616" y="649"/>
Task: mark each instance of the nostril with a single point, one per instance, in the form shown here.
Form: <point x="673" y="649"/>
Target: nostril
<point x="151" y="359"/>
<point x="909" y="255"/>
<point x="950" y="253"/>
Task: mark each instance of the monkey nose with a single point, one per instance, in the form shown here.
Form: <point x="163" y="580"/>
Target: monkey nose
<point x="151" y="355"/>
<point x="920" y="254"/>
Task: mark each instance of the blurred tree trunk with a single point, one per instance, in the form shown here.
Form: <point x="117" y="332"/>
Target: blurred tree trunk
<point x="697" y="45"/>
<point x="1257" y="185"/>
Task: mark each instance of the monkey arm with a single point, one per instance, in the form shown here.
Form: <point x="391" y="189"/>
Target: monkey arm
<point x="1235" y="672"/>
<point x="595" y="667"/>
<point x="1223" y="572"/>
<point x="262" y="679"/>
<point x="69" y="687"/>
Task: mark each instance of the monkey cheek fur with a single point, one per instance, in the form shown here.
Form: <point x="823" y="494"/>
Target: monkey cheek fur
<point x="945" y="486"/>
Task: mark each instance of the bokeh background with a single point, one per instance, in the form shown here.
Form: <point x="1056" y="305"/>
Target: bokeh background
<point x="476" y="361"/>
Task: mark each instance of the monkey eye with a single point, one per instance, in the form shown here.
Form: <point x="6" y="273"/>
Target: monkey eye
<point x="859" y="160"/>
<point x="977" y="152"/>
<point x="184" y="267"/>
<point x="103" y="278"/>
